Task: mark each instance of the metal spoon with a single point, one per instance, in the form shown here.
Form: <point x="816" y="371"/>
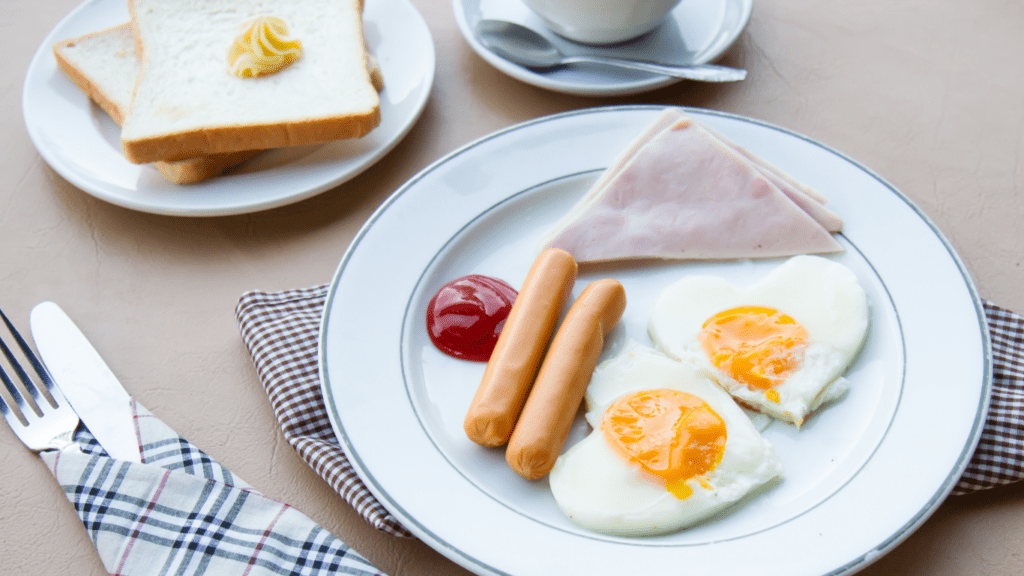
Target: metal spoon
<point x="527" y="48"/>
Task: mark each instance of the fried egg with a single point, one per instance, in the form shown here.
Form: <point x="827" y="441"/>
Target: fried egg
<point x="779" y="346"/>
<point x="669" y="448"/>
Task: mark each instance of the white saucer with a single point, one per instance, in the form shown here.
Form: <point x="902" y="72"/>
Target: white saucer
<point x="695" y="32"/>
<point x="82" y="143"/>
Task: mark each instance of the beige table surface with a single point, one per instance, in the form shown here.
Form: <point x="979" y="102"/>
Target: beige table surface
<point x="930" y="94"/>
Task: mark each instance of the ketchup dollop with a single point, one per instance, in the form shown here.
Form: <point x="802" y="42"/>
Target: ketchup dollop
<point x="466" y="316"/>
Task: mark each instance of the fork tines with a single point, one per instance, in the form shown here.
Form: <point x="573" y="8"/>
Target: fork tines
<point x="49" y="422"/>
<point x="24" y="410"/>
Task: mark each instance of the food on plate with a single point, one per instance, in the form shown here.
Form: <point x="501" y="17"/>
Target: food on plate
<point x="669" y="449"/>
<point x="105" y="65"/>
<point x="551" y="406"/>
<point x="376" y="75"/>
<point x="682" y="191"/>
<point x="808" y="199"/>
<point x="465" y="317"/>
<point x="779" y="346"/>
<point x="263" y="47"/>
<point x="187" y="104"/>
<point x="520" y="348"/>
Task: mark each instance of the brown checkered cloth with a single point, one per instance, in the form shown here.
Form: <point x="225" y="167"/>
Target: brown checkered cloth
<point x="281" y="330"/>
<point x="999" y="457"/>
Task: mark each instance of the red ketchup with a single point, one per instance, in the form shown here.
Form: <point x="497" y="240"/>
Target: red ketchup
<point x="466" y="316"/>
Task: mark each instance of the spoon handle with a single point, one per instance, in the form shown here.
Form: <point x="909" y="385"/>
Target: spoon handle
<point x="702" y="72"/>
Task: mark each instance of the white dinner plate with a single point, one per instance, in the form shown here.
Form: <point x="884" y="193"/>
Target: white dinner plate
<point x="83" y="145"/>
<point x="695" y="32"/>
<point x="861" y="475"/>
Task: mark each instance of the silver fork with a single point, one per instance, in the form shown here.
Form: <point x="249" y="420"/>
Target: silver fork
<point x="53" y="427"/>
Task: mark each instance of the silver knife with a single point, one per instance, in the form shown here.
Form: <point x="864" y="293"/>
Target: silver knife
<point x="86" y="381"/>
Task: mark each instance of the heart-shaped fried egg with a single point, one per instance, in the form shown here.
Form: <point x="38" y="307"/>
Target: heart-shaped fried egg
<point x="669" y="448"/>
<point x="779" y="346"/>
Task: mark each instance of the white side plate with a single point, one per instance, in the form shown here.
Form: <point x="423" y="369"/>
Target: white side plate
<point x="80" y="142"/>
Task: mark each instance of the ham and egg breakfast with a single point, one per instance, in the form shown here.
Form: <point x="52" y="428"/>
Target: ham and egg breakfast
<point x="670" y="445"/>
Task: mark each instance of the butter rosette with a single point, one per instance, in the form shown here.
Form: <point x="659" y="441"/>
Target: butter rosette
<point x="263" y="47"/>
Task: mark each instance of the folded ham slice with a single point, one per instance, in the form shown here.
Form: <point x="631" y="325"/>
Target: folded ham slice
<point x="681" y="191"/>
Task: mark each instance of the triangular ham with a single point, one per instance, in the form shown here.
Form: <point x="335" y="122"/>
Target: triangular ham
<point x="681" y="191"/>
<point x="804" y="197"/>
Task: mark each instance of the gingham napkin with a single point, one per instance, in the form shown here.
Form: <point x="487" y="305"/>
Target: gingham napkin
<point x="180" y="512"/>
<point x="999" y="457"/>
<point x="281" y="330"/>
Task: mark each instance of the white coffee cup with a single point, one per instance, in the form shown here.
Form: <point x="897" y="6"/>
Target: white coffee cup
<point x="601" y="21"/>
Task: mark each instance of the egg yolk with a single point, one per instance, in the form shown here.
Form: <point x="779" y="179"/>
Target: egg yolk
<point x="756" y="345"/>
<point x="671" y="434"/>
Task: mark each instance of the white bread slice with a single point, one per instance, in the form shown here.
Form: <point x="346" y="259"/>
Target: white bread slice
<point x="186" y="103"/>
<point x="679" y="192"/>
<point x="105" y="65"/>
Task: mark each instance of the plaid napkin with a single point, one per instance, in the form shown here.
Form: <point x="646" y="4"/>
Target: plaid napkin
<point x="180" y="512"/>
<point x="281" y="330"/>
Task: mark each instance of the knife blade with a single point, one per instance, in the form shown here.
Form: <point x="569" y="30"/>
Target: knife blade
<point x="86" y="381"/>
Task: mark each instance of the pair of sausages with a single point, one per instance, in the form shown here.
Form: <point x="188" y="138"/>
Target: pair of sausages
<point x="535" y="432"/>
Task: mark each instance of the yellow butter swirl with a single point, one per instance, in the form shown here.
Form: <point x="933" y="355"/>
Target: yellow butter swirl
<point x="264" y="47"/>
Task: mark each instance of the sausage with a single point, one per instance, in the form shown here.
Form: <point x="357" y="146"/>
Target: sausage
<point x="563" y="379"/>
<point x="520" y="348"/>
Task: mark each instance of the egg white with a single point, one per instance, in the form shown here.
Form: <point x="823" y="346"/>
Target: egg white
<point x="820" y="294"/>
<point x="599" y="490"/>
